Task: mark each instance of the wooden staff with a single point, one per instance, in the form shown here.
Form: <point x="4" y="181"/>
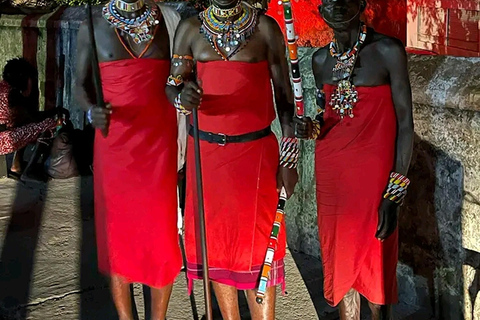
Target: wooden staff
<point x="97" y="81"/>
<point x="201" y="218"/>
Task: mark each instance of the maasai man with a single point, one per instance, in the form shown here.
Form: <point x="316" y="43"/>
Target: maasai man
<point x="235" y="58"/>
<point x="364" y="139"/>
<point x="135" y="166"/>
<point x="20" y="122"/>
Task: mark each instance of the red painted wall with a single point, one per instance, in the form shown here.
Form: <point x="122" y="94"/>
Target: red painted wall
<point x="389" y="17"/>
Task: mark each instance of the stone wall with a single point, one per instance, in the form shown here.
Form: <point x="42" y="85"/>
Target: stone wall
<point x="440" y="223"/>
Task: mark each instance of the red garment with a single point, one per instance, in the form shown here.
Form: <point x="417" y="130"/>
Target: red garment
<point x="15" y="138"/>
<point x="353" y="160"/>
<point x="135" y="172"/>
<point x="239" y="180"/>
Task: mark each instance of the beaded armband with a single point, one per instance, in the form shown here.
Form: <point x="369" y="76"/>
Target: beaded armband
<point x="397" y="188"/>
<point x="178" y="105"/>
<point x="289" y="152"/>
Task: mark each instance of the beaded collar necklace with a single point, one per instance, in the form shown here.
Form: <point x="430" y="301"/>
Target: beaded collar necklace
<point x="345" y="96"/>
<point x="139" y="28"/>
<point x="229" y="36"/>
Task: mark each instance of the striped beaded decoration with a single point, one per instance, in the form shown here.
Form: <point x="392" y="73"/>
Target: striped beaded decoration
<point x="397" y="188"/>
<point x="289" y="152"/>
<point x="293" y="55"/>
<point x="272" y="246"/>
<point x="178" y="105"/>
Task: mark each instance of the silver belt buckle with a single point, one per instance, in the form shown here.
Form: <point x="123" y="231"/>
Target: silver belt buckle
<point x="224" y="138"/>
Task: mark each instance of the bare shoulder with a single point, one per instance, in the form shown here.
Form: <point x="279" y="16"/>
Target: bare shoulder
<point x="189" y="26"/>
<point x="268" y="26"/>
<point x="388" y="47"/>
<point x="320" y="56"/>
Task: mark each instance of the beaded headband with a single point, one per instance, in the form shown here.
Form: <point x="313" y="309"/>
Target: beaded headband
<point x="129" y="7"/>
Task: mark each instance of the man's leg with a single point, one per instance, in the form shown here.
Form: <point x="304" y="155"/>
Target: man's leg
<point x="227" y="298"/>
<point x="266" y="310"/>
<point x="160" y="299"/>
<point x="349" y="307"/>
<point x="121" y="297"/>
<point x="380" y="312"/>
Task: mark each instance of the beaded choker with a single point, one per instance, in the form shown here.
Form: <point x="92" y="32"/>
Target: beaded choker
<point x="228" y="36"/>
<point x="129" y="7"/>
<point x="346" y="61"/>
<point x="139" y="28"/>
<point x="227" y="13"/>
<point x="345" y="96"/>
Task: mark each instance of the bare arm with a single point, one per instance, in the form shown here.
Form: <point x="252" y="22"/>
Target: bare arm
<point x="402" y="100"/>
<point x="83" y="83"/>
<point x="183" y="67"/>
<point x="279" y="71"/>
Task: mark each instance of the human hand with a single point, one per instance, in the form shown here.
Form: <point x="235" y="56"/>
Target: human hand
<point x="100" y="117"/>
<point x="287" y="178"/>
<point x="387" y="219"/>
<point x="191" y="95"/>
<point x="303" y="127"/>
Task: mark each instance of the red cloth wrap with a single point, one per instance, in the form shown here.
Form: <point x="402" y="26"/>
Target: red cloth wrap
<point x="135" y="174"/>
<point x="239" y="180"/>
<point x="353" y="160"/>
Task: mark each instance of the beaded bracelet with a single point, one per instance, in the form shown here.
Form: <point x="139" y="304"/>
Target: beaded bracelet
<point x="175" y="81"/>
<point x="397" y="188"/>
<point x="178" y="105"/>
<point x="289" y="152"/>
<point x="316" y="130"/>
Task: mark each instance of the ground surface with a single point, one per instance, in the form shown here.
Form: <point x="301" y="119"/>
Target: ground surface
<point x="48" y="263"/>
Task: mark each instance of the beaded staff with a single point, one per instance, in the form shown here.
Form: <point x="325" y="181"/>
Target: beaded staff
<point x="299" y="106"/>
<point x="272" y="246"/>
<point x="293" y="55"/>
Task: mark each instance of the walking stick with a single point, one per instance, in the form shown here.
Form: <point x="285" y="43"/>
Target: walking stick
<point x="201" y="218"/>
<point x="97" y="81"/>
<point x="299" y="108"/>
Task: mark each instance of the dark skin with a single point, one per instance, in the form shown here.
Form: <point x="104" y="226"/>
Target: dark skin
<point x="267" y="43"/>
<point x="109" y="48"/>
<point x="382" y="60"/>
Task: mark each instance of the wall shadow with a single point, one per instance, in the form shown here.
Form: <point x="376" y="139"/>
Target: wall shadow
<point x="430" y="232"/>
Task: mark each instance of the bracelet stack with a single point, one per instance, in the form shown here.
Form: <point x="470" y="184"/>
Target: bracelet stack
<point x="289" y="152"/>
<point x="397" y="188"/>
<point x="178" y="105"/>
<point x="316" y="130"/>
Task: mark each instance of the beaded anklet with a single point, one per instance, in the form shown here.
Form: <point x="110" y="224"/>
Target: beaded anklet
<point x="397" y="188"/>
<point x="289" y="152"/>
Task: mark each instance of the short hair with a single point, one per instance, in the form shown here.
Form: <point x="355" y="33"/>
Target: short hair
<point x="17" y="72"/>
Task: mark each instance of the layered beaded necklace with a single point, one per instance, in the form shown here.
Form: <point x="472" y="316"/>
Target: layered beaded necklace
<point x="228" y="35"/>
<point x="345" y="96"/>
<point x="140" y="29"/>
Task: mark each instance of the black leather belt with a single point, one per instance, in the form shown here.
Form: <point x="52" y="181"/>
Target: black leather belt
<point x="222" y="139"/>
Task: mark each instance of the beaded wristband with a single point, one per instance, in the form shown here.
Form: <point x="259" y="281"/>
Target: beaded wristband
<point x="316" y="130"/>
<point x="397" y="188"/>
<point x="89" y="115"/>
<point x="289" y="152"/>
<point x="175" y="81"/>
<point x="178" y="105"/>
